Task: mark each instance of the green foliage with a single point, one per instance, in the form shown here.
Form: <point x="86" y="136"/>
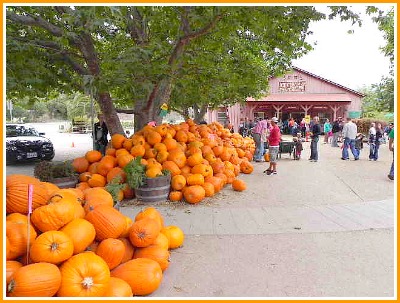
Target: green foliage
<point x="114" y="187"/>
<point x="135" y="173"/>
<point x="46" y="171"/>
<point x="200" y="55"/>
<point x="379" y="97"/>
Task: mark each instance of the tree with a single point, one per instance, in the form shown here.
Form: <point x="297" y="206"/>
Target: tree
<point x="138" y="57"/>
<point x="380" y="97"/>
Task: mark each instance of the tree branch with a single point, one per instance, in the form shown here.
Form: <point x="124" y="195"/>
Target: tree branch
<point x="205" y="30"/>
<point x="35" y="21"/>
<point x="136" y="26"/>
<point x="64" y="54"/>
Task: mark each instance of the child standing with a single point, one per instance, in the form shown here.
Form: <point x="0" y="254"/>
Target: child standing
<point x="298" y="147"/>
<point x="359" y="143"/>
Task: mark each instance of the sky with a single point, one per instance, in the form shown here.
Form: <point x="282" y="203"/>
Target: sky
<point x="351" y="60"/>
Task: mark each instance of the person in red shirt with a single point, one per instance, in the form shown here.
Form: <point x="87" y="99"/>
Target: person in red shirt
<point x="274" y="139"/>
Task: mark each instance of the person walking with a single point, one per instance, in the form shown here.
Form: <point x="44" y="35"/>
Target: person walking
<point x="327" y="129"/>
<point x="274" y="139"/>
<point x="349" y="135"/>
<point x="100" y="132"/>
<point x="371" y="141"/>
<point x="303" y="127"/>
<point x="391" y="148"/>
<point x="336" y="129"/>
<point x="315" y="132"/>
<point x="260" y="127"/>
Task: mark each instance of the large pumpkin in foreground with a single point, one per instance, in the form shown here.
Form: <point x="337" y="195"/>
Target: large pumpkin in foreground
<point x="17" y="193"/>
<point x="35" y="280"/>
<point x="143" y="275"/>
<point x="84" y="275"/>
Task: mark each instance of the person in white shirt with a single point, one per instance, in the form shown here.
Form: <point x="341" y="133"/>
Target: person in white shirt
<point x="349" y="134"/>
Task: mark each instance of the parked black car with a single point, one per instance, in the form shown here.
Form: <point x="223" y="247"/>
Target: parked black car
<point x="24" y="143"/>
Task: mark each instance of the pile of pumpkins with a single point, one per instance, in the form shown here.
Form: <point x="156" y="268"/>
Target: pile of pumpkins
<point x="73" y="243"/>
<point x="202" y="159"/>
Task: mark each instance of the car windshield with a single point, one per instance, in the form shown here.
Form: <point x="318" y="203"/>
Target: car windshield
<point x="19" y="130"/>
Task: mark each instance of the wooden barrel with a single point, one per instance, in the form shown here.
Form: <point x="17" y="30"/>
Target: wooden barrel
<point x="154" y="189"/>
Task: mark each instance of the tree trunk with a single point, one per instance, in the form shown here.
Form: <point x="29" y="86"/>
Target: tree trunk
<point x="110" y="114"/>
<point x="199" y="113"/>
<point x="149" y="110"/>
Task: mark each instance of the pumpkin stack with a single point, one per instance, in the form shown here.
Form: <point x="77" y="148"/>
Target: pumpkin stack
<point x="202" y="159"/>
<point x="76" y="244"/>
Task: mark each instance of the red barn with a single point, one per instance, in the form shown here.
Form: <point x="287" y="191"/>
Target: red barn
<point x="296" y="95"/>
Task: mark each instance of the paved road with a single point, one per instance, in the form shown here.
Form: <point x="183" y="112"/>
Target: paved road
<point x="322" y="229"/>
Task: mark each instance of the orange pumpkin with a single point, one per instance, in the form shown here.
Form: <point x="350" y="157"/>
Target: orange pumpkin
<point x="152" y="213"/>
<point x="107" y="221"/>
<point x="123" y="160"/>
<point x="52" y="247"/>
<point x="93" y="156"/>
<point x="161" y="241"/>
<point x="81" y="232"/>
<point x="138" y="150"/>
<point x="97" y="180"/>
<point x="170" y="143"/>
<point x="143" y="275"/>
<point x="112" y="251"/>
<point x="17" y="193"/>
<point x="174" y="235"/>
<point x="117" y="140"/>
<point x="110" y="151"/>
<point x="194" y="193"/>
<point x="246" y="167"/>
<point x="153" y="137"/>
<point x="128" y="224"/>
<point x="172" y="167"/>
<point x="175" y="195"/>
<point x="50" y="187"/>
<point x="178" y="182"/>
<point x="153" y="171"/>
<point x="54" y="216"/>
<point x="84" y="275"/>
<point x="11" y="268"/>
<point x="156" y="253"/>
<point x="128" y="143"/>
<point x="209" y="189"/>
<point x="129" y="250"/>
<point x="118" y="288"/>
<point x="144" y="232"/>
<point x="177" y="156"/>
<point x="195" y="179"/>
<point x="105" y="165"/>
<point x="239" y="185"/>
<point x="80" y="164"/>
<point x="35" y="280"/>
<point x="116" y="172"/>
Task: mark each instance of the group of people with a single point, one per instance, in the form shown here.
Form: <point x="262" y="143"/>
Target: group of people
<point x="268" y="131"/>
<point x="267" y="134"/>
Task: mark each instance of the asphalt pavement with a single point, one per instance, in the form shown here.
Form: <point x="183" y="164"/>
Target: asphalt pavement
<point x="318" y="230"/>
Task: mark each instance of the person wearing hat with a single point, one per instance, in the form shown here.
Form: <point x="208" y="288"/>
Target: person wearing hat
<point x="274" y="139"/>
